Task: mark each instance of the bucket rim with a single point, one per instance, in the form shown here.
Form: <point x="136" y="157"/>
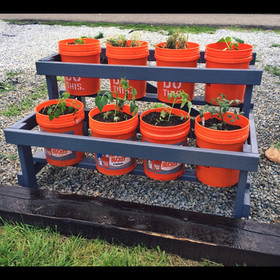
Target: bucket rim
<point x="63" y="120"/>
<point x="222" y="136"/>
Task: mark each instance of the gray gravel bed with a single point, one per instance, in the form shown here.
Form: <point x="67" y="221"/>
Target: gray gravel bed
<point x="22" y="45"/>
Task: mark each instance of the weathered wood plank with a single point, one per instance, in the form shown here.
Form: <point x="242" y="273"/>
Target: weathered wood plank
<point x="189" y="234"/>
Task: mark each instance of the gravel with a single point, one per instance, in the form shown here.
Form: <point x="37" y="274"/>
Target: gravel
<point x="22" y="45"/>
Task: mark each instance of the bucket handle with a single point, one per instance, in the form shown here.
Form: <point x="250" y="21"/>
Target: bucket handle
<point x="77" y="121"/>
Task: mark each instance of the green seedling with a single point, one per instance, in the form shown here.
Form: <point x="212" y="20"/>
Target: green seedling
<point x="168" y="110"/>
<point x="176" y="40"/>
<point x="277" y="145"/>
<point x="221" y="110"/>
<point x="60" y="108"/>
<point x="231" y="45"/>
<point x="121" y="40"/>
<point x="101" y="101"/>
<point x="80" y="41"/>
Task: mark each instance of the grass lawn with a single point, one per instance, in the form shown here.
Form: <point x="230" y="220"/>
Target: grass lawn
<point x="25" y="245"/>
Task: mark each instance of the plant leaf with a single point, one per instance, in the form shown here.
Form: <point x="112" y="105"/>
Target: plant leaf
<point x="189" y="106"/>
<point x="169" y="96"/>
<point x="228" y="39"/>
<point x="57" y="113"/>
<point x="222" y="40"/>
<point x="121" y="103"/>
<point x="104" y="100"/>
<point x="65" y="95"/>
<point x="163" y="113"/>
<point x="99" y="103"/>
<point x="238" y="40"/>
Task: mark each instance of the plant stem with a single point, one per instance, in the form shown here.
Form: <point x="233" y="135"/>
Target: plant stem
<point x="116" y="102"/>
<point x="174" y="101"/>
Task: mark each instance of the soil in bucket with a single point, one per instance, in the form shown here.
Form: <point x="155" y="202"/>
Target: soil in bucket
<point x="68" y="123"/>
<point x="164" y="133"/>
<point x="217" y="57"/>
<point x="136" y="55"/>
<point x="176" y="58"/>
<point x="124" y="129"/>
<point x="231" y="139"/>
<point x="89" y="52"/>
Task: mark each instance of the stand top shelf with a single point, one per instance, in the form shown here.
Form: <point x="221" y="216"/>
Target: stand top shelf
<point x="52" y="66"/>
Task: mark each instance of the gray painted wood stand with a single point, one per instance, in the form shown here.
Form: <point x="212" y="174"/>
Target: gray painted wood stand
<point x="23" y="135"/>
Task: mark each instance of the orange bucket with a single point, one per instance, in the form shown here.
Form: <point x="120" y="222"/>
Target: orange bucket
<point x="128" y="56"/>
<point x="231" y="140"/>
<point x="217" y="57"/>
<point x="89" y="52"/>
<point x="126" y="130"/>
<point x="174" y="135"/>
<point x="176" y="58"/>
<point x="68" y="124"/>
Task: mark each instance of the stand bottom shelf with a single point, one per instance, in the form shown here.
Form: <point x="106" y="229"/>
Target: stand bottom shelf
<point x="242" y="206"/>
<point x="40" y="161"/>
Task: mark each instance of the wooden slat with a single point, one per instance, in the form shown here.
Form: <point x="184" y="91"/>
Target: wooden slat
<point x="130" y="72"/>
<point x="182" y="154"/>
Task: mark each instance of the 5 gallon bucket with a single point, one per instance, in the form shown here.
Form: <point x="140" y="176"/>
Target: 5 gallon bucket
<point x="125" y="130"/>
<point x="173" y="135"/>
<point x="231" y="140"/>
<point x="68" y="124"/>
<point x="217" y="57"/>
<point x="176" y="58"/>
<point x="89" y="52"/>
<point x="128" y="56"/>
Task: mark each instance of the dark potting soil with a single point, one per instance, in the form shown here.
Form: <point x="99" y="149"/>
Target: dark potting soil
<point x="153" y="119"/>
<point x="44" y="111"/>
<point x="109" y="117"/>
<point x="212" y="123"/>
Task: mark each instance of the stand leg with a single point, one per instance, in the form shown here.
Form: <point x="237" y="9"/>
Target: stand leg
<point x="27" y="166"/>
<point x="247" y="100"/>
<point x="52" y="87"/>
<point x="240" y="209"/>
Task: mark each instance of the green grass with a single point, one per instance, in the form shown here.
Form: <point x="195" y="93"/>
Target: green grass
<point x="147" y="27"/>
<point x="274" y="70"/>
<point x="8" y="85"/>
<point x="275" y="46"/>
<point x="27" y="102"/>
<point x="9" y="156"/>
<point x="25" y="245"/>
<point x="196" y="29"/>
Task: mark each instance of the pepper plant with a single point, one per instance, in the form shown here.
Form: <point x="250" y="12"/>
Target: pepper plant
<point x="176" y="41"/>
<point x="121" y="40"/>
<point x="60" y="108"/>
<point x="168" y="111"/>
<point x="231" y="44"/>
<point x="221" y="110"/>
<point x="101" y="101"/>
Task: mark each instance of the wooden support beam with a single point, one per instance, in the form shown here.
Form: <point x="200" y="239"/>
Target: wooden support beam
<point x="189" y="234"/>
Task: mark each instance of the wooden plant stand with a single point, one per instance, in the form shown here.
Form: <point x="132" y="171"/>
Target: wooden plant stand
<point x="23" y="135"/>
